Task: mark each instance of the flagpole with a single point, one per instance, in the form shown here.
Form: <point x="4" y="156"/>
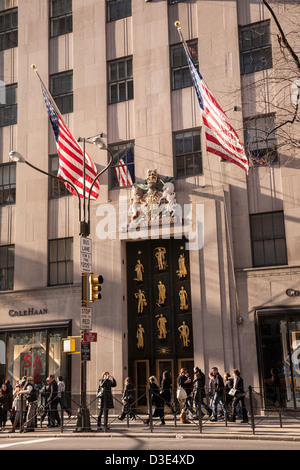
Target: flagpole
<point x="34" y="68"/>
<point x="178" y="27"/>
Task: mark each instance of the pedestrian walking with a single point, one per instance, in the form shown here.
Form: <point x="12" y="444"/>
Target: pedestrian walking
<point x="54" y="419"/>
<point x="216" y="391"/>
<point x="17" y="408"/>
<point x="165" y="391"/>
<point x="31" y="396"/>
<point x="127" y="400"/>
<point x="199" y="393"/>
<point x="238" y="386"/>
<point x="61" y="389"/>
<point x="156" y="407"/>
<point x="184" y="381"/>
<point x="5" y="405"/>
<point x="105" y="402"/>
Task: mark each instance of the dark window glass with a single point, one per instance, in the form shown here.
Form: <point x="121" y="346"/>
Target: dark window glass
<point x="60" y="264"/>
<point x="122" y="169"/>
<point x="8" y="29"/>
<point x="61" y="88"/>
<point x="180" y="73"/>
<point x="7" y="184"/>
<point x="268" y="239"/>
<point x="260" y="139"/>
<point x="61" y="20"/>
<point x="7" y="263"/>
<point x="117" y="9"/>
<point x="188" y="154"/>
<point x="8" y="105"/>
<point x="120" y="80"/>
<point x="57" y="188"/>
<point x="255" y="47"/>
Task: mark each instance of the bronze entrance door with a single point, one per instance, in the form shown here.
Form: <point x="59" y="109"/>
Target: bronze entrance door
<point x="160" y="332"/>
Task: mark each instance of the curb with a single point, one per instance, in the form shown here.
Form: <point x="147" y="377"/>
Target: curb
<point x="128" y="435"/>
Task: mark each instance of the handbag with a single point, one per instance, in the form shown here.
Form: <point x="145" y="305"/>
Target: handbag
<point x="181" y="394"/>
<point x="232" y="392"/>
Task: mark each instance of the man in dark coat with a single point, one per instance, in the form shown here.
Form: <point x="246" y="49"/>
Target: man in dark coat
<point x="52" y="402"/>
<point x="199" y="392"/>
<point x="104" y="394"/>
<point x="216" y="391"/>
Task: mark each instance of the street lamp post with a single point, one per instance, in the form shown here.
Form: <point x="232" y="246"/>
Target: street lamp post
<point x="83" y="421"/>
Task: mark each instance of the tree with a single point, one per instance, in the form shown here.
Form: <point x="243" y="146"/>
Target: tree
<point x="273" y="123"/>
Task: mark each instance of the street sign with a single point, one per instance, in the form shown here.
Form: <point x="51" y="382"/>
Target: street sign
<point x="85" y="351"/>
<point x="85" y="318"/>
<point x="85" y="255"/>
<point x="90" y="337"/>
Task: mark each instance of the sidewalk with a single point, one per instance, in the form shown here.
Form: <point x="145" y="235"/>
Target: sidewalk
<point x="266" y="428"/>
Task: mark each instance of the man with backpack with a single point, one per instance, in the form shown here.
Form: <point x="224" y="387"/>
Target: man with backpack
<point x="31" y="397"/>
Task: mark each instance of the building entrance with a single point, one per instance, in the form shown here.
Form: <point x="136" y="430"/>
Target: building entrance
<point x="279" y="353"/>
<point x="160" y="330"/>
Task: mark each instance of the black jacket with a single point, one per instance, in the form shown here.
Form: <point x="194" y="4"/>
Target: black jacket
<point x="104" y="393"/>
<point x="216" y="385"/>
<point x="199" y="386"/>
<point x="53" y="390"/>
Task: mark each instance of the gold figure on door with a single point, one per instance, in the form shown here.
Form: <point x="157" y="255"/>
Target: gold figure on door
<point x="182" y="271"/>
<point x="161" y="294"/>
<point x="139" y="269"/>
<point x="183" y="299"/>
<point x="160" y="256"/>
<point x="140" y="337"/>
<point x="140" y="295"/>
<point x="162" y="328"/>
<point x="184" y="334"/>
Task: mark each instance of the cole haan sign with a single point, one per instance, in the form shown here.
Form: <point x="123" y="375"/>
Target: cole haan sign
<point x="25" y="313"/>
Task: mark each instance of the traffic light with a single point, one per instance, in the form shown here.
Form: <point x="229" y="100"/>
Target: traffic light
<point x="95" y="287"/>
<point x="90" y="287"/>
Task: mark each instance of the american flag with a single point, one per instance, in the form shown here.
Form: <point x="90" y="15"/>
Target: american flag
<point x="124" y="170"/>
<point x="221" y="138"/>
<point x="70" y="154"/>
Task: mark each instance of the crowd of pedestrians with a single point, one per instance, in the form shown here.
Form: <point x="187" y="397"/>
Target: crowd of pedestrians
<point x="224" y="397"/>
<point x="23" y="412"/>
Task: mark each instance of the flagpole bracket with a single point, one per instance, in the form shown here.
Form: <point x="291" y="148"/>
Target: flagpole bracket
<point x="84" y="228"/>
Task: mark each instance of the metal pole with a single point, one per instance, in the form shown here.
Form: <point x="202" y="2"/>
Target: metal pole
<point x="251" y="409"/>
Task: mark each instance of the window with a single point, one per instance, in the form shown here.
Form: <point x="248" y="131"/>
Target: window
<point x="117" y="9"/>
<point x="8" y="109"/>
<point x="268" y="239"/>
<point x="255" y="47"/>
<point x="61" y="88"/>
<point x="8" y="29"/>
<point x="188" y="154"/>
<point x="7" y="184"/>
<point x="180" y="72"/>
<point x="7" y="263"/>
<point x="60" y="17"/>
<point x="122" y="171"/>
<point x="120" y="80"/>
<point x="172" y="2"/>
<point x="260" y="139"/>
<point x="60" y="261"/>
<point x="33" y="350"/>
<point x="57" y="188"/>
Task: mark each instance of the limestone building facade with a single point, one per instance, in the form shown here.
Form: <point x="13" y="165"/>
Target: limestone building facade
<point x="116" y="69"/>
